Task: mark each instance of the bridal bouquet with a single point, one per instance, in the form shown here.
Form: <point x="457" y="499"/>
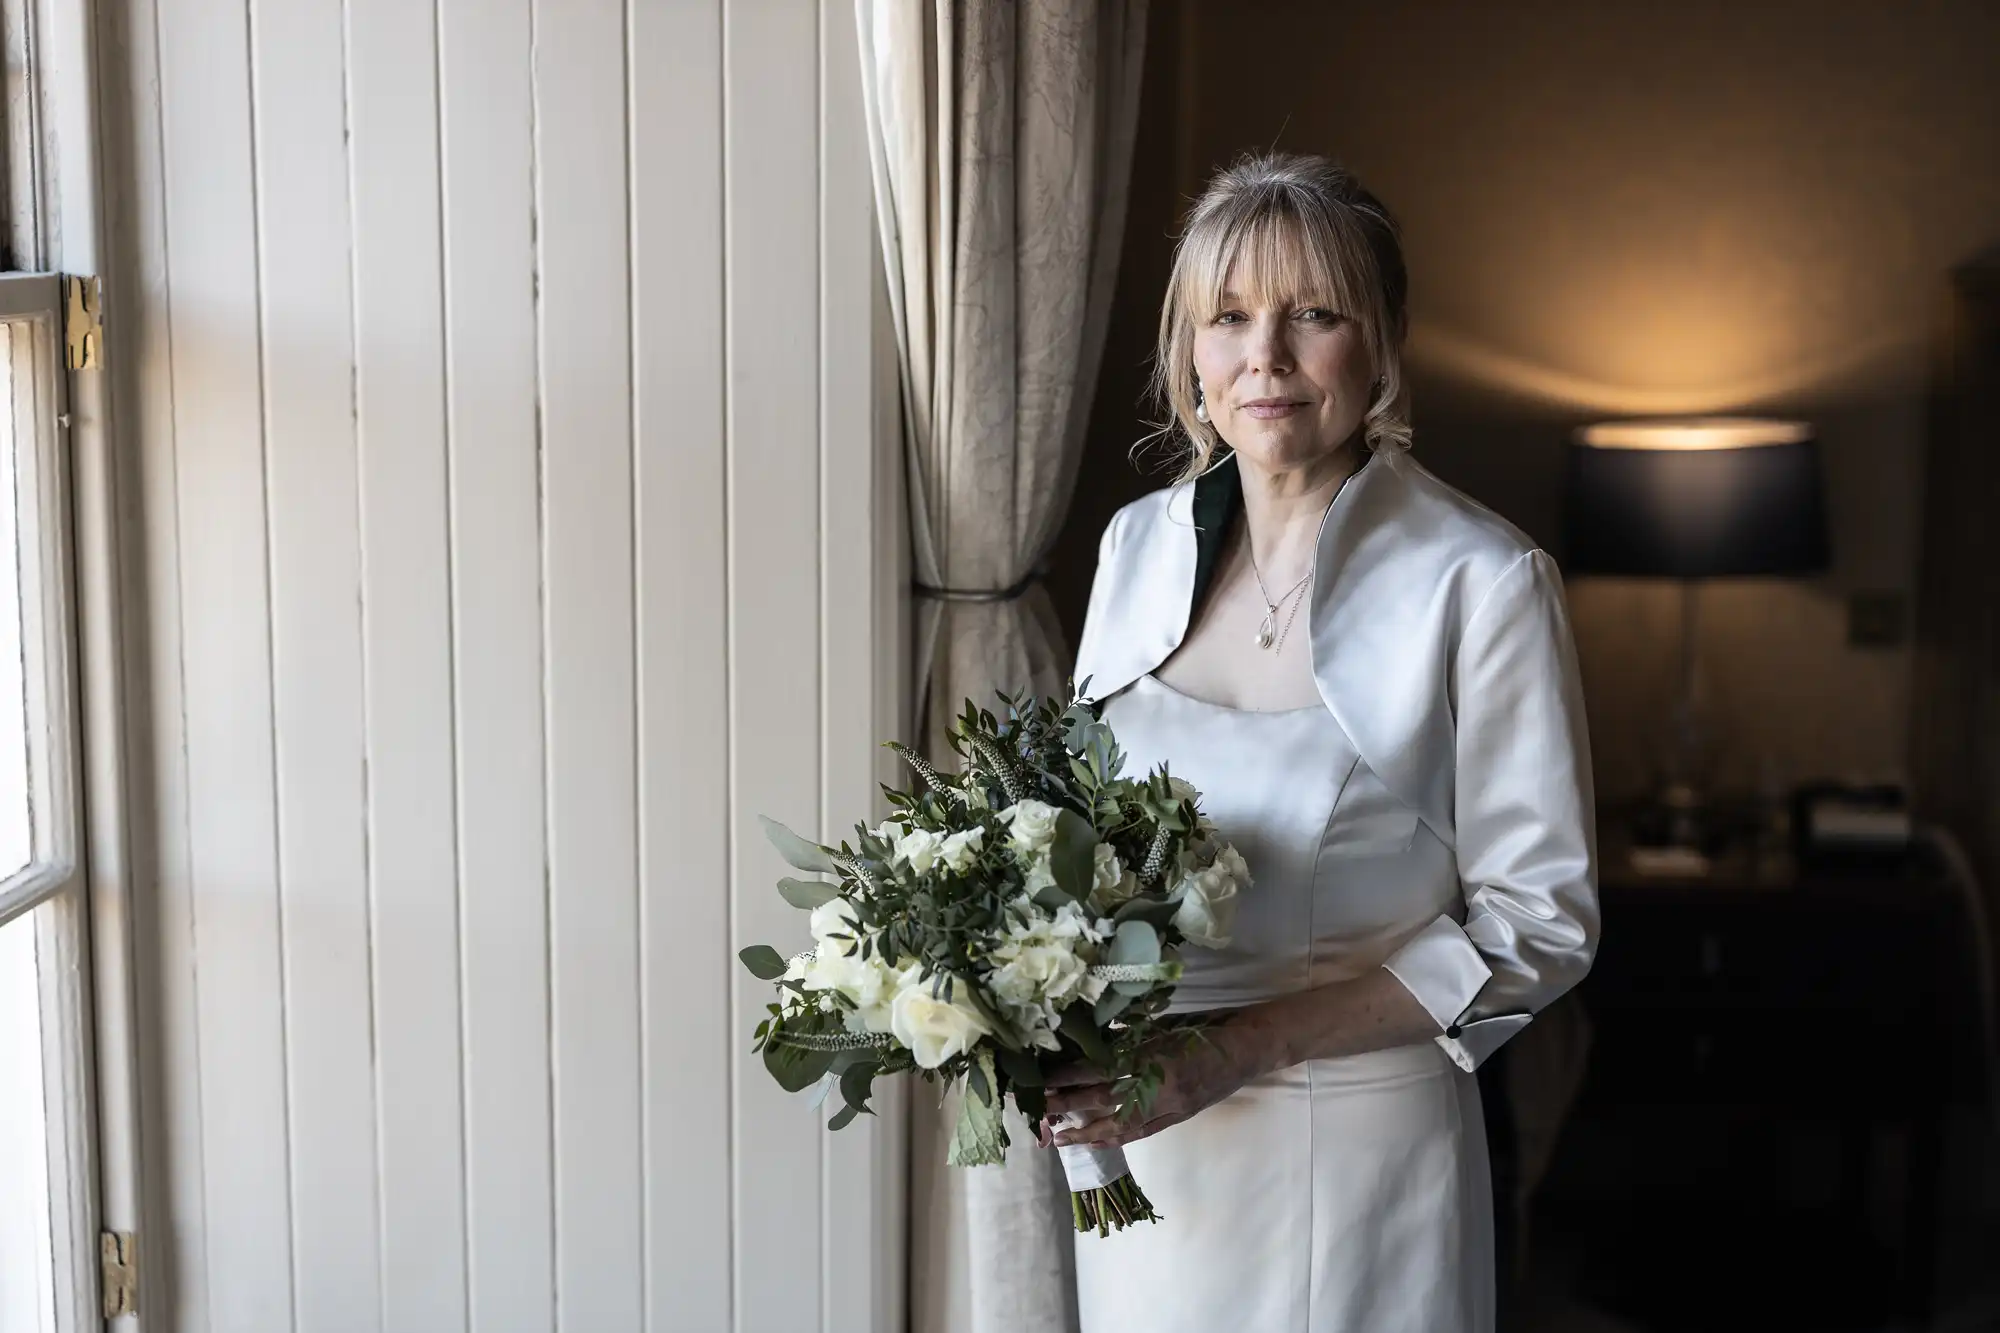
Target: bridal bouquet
<point x="1020" y="914"/>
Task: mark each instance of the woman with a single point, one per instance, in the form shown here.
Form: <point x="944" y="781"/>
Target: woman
<point x="1371" y="679"/>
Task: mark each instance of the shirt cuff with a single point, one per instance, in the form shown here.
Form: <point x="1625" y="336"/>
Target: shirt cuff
<point x="1443" y="969"/>
<point x="1468" y="1044"/>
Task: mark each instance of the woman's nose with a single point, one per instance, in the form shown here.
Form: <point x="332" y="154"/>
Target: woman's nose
<point x="1270" y="349"/>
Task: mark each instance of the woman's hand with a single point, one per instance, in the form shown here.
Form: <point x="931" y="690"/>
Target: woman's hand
<point x="1203" y="1069"/>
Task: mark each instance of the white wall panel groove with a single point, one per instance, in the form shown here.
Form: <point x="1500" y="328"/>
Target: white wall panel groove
<point x="674" y="87"/>
<point x="503" y="393"/>
<point x="407" y="618"/>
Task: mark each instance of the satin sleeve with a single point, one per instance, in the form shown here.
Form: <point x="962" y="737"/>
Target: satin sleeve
<point x="1097" y="615"/>
<point x="1525" y="822"/>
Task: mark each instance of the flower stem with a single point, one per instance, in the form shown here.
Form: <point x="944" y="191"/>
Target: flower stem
<point x="1111" y="1207"/>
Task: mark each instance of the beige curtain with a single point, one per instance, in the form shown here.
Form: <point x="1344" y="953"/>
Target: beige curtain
<point x="1001" y="137"/>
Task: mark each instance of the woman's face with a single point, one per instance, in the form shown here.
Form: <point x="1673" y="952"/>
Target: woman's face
<point x="1287" y="381"/>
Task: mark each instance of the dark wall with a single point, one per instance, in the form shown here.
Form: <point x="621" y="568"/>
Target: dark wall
<point x="1615" y="210"/>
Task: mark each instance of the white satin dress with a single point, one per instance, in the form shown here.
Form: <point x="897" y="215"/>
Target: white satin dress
<point x="1337" y="1196"/>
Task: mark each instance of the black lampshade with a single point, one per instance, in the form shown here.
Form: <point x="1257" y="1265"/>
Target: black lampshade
<point x="1695" y="499"/>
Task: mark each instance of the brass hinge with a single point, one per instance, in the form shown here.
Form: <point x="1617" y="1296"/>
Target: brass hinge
<point x="118" y="1252"/>
<point x="83" y="323"/>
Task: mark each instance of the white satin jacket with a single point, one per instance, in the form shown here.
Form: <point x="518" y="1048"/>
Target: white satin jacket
<point x="1441" y="644"/>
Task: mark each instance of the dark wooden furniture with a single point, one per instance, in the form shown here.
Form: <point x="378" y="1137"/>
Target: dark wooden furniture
<point x="1758" y="1134"/>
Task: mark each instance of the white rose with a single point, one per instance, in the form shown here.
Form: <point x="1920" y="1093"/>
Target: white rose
<point x="919" y="848"/>
<point x="1207" y="897"/>
<point x="1230" y="862"/>
<point x="835" y="916"/>
<point x="1110" y="882"/>
<point x="889" y="830"/>
<point x="933" y="1030"/>
<point x="872" y="986"/>
<point x="962" y="849"/>
<point x="1032" y="826"/>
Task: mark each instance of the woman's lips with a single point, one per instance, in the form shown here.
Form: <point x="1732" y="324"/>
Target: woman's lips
<point x="1271" y="410"/>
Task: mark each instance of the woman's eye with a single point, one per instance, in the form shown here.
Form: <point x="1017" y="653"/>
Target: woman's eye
<point x="1230" y="317"/>
<point x="1319" y="314"/>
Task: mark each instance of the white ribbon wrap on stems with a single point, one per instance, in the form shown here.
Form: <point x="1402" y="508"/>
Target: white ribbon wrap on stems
<point x="1085" y="1167"/>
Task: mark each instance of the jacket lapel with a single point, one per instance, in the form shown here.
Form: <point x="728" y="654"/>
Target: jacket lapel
<point x="1379" y="663"/>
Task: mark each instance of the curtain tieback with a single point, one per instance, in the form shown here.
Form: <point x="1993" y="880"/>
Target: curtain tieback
<point x="981" y="594"/>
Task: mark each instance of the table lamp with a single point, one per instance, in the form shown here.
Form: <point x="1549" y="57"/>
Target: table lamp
<point x="1694" y="499"/>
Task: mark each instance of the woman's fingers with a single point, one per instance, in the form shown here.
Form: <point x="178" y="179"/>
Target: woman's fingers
<point x="1111" y="1132"/>
<point x="1101" y="1132"/>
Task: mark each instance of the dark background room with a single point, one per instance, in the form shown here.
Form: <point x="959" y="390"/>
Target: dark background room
<point x="1769" y="1107"/>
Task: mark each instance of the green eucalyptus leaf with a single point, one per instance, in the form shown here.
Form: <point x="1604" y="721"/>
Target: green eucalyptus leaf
<point x="976" y="1084"/>
<point x="1155" y="912"/>
<point x="1135" y="942"/>
<point x="796" y="1069"/>
<point x="764" y="962"/>
<point x="798" y="853"/>
<point x="846" y="1060"/>
<point x="806" y="894"/>
<point x="857" y="1083"/>
<point x="1022" y="1069"/>
<point x="1072" y="859"/>
<point x="1112" y="1003"/>
<point x="1081" y="1028"/>
<point x="1052" y="898"/>
<point x="979" y="1139"/>
<point x="842" y="1118"/>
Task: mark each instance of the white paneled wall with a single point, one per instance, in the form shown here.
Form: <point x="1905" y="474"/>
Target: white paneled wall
<point x="513" y="519"/>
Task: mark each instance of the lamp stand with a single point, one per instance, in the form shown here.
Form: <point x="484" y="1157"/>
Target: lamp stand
<point x="1682" y="799"/>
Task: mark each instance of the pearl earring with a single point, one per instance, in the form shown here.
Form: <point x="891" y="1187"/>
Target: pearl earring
<point x="1200" y="406"/>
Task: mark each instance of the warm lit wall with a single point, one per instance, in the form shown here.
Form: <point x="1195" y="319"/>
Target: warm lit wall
<point x="1627" y="209"/>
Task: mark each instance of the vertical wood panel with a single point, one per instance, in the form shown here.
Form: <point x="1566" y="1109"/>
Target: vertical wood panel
<point x="770" y="61"/>
<point x="508" y="479"/>
<point x="304" y="247"/>
<point x="858" y="1283"/>
<point x="407" y="618"/>
<point x="226" y="653"/>
<point x="495" y="441"/>
<point x="587" y="508"/>
<point x="861" y="1277"/>
<point x="168" y="1041"/>
<point x="675" y="81"/>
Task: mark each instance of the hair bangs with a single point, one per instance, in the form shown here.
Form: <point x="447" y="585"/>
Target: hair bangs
<point x="1272" y="255"/>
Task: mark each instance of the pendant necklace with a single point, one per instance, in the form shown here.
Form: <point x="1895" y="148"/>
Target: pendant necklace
<point x="1268" y="632"/>
<point x="1269" y="628"/>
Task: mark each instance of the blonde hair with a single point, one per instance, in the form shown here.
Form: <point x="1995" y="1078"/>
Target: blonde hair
<point x="1306" y="229"/>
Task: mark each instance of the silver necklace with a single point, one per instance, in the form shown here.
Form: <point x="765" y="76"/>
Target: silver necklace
<point x="1264" y="636"/>
<point x="1268" y="633"/>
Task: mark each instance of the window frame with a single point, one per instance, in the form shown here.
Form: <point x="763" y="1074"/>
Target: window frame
<point x="32" y="302"/>
<point x="51" y="893"/>
<point x="51" y="227"/>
